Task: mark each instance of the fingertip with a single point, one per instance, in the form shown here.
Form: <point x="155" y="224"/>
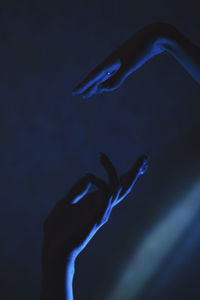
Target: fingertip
<point x="103" y="157"/>
<point x="101" y="154"/>
<point x="78" y="90"/>
<point x="144" y="164"/>
<point x="76" y="93"/>
<point x="75" y="90"/>
<point x="90" y="176"/>
<point x="144" y="158"/>
<point x="147" y="158"/>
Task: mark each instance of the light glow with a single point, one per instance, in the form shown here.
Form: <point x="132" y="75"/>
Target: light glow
<point x="156" y="246"/>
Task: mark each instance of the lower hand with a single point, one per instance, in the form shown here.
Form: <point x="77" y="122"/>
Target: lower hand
<point x="76" y="218"/>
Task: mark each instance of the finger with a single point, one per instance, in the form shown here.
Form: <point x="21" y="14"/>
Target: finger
<point x="107" y="211"/>
<point x="129" y="179"/>
<point x="116" y="197"/>
<point x="90" y="80"/>
<point x="99" y="92"/>
<point x="137" y="169"/>
<point x="109" y="204"/>
<point x="93" y="89"/>
<point x="96" y="75"/>
<point x="141" y="165"/>
<point x="110" y="169"/>
<point x="98" y="182"/>
<point x="90" y="92"/>
<point x="116" y="80"/>
<point x="77" y="192"/>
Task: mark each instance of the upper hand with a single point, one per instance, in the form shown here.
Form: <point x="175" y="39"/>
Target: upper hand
<point x="113" y="71"/>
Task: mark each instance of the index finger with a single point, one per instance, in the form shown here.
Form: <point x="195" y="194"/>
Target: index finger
<point x="76" y="192"/>
<point x="92" y="78"/>
<point x="96" y="75"/>
<point x="129" y="179"/>
<point x="110" y="169"/>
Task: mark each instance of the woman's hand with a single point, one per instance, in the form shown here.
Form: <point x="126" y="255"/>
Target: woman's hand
<point x="76" y="218"/>
<point x="141" y="47"/>
<point x="112" y="72"/>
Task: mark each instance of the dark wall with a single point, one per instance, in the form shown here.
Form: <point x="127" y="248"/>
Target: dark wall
<point x="50" y="138"/>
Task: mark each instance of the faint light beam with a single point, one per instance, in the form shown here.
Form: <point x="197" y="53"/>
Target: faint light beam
<point x="155" y="247"/>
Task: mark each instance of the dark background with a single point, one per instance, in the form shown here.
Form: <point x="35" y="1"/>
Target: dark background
<point x="49" y="139"/>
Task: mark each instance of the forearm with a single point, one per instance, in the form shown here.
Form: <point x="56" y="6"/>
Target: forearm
<point x="57" y="279"/>
<point x="183" y="50"/>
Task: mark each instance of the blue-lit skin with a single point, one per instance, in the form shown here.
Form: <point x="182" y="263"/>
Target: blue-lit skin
<point x="76" y="219"/>
<point x="82" y="194"/>
<point x="141" y="47"/>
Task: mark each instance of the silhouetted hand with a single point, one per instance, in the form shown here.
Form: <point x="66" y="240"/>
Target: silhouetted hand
<point x="76" y="218"/>
<point x="142" y="46"/>
<point x="112" y="72"/>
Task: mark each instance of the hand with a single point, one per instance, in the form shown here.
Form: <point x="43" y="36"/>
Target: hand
<point x="112" y="72"/>
<point x="76" y="218"/>
<point x="141" y="47"/>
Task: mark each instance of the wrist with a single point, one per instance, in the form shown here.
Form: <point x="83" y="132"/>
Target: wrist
<point x="57" y="278"/>
<point x="166" y="38"/>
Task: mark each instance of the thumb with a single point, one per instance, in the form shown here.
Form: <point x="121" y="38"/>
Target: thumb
<point x="78" y="191"/>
